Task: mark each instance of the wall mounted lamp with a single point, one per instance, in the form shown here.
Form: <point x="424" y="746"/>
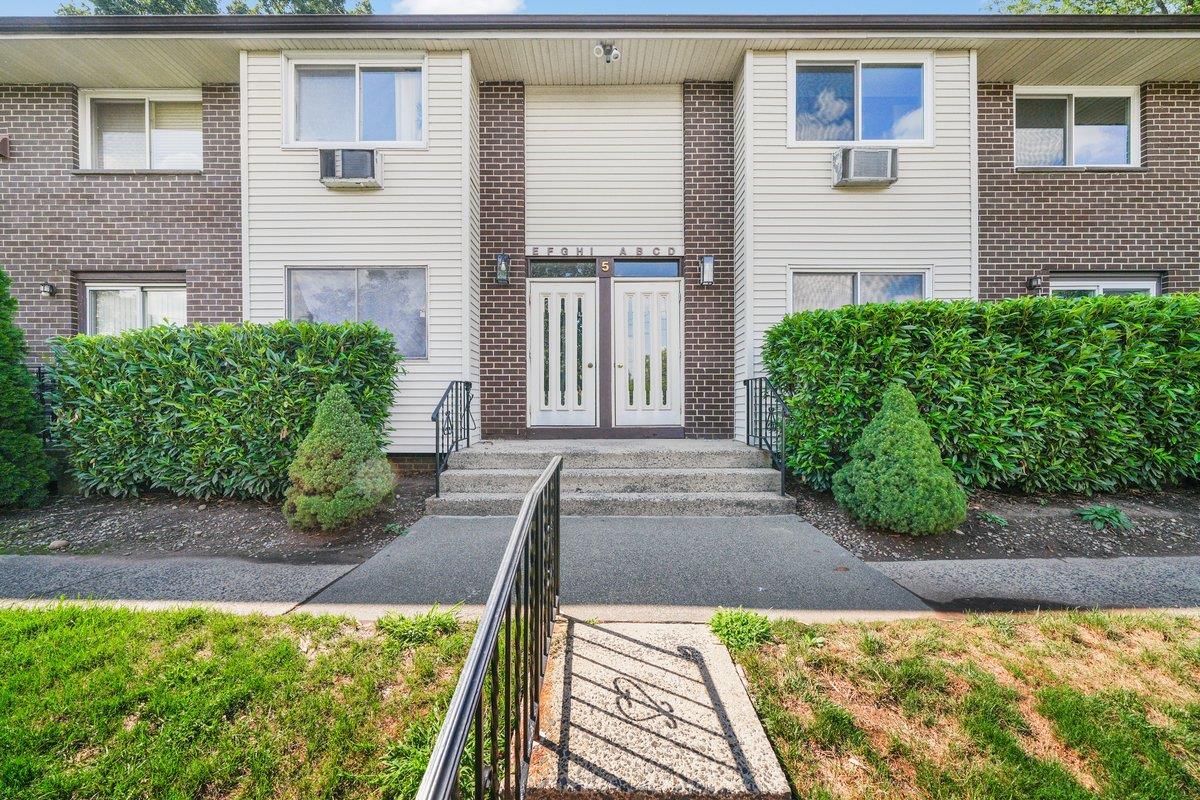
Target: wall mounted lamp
<point x="47" y="289"/>
<point x="502" y="264"/>
<point x="707" y="270"/>
<point x="1034" y="283"/>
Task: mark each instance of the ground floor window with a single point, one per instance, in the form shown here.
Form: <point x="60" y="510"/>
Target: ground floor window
<point x="817" y="289"/>
<point x="1090" y="286"/>
<point x="113" y="308"/>
<point x="394" y="298"/>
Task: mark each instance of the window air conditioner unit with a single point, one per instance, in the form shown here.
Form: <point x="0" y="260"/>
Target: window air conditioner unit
<point x="865" y="166"/>
<point x="351" y="169"/>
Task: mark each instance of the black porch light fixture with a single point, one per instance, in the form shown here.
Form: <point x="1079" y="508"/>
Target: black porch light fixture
<point x="502" y="264"/>
<point x="707" y="270"/>
<point x="1034" y="283"/>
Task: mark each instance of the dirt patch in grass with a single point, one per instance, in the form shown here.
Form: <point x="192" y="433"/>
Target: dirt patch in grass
<point x="165" y="525"/>
<point x="985" y="707"/>
<point x="1164" y="523"/>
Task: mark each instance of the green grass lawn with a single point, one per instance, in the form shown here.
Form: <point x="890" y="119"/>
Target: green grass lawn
<point x="1050" y="706"/>
<point x="101" y="703"/>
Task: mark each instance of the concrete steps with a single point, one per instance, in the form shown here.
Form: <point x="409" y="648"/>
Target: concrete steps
<point x="615" y="478"/>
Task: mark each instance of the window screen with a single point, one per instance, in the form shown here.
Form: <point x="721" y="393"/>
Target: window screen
<point x="325" y="104"/>
<point x="816" y="290"/>
<point x="878" y="287"/>
<point x="1041" y="133"/>
<point x="119" y="134"/>
<point x="825" y="102"/>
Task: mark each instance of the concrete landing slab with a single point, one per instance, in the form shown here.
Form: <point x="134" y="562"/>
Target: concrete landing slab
<point x="643" y="710"/>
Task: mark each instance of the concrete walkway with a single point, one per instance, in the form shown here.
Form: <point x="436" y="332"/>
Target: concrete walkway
<point x="662" y="569"/>
<point x="1006" y="584"/>
<point x="635" y="710"/>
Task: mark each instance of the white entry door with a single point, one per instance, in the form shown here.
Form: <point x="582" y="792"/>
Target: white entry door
<point x="562" y="353"/>
<point x="647" y="358"/>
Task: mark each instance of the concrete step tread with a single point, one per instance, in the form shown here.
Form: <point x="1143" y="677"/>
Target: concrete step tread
<point x="588" y="446"/>
<point x="619" y="471"/>
<point x="632" y="496"/>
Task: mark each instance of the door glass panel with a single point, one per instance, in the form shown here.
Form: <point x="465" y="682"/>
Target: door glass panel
<point x="662" y="346"/>
<point x="546" y="352"/>
<point x="629" y="346"/>
<point x="875" y="287"/>
<point x="624" y="268"/>
<point x="563" y="269"/>
<point x="579" y="351"/>
<point x="647" y="345"/>
<point x="562" y="351"/>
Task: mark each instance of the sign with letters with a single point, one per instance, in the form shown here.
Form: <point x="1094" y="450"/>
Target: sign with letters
<point x="588" y="251"/>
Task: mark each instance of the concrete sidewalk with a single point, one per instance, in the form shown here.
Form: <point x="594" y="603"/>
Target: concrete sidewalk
<point x="1024" y="583"/>
<point x="229" y="584"/>
<point x="661" y="569"/>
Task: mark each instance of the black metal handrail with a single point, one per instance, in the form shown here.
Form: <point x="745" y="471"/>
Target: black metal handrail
<point x="452" y="426"/>
<point x="486" y="739"/>
<point x="767" y="417"/>
<point x="44" y="389"/>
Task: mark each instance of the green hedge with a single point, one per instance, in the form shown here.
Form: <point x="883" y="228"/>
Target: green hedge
<point x="208" y="411"/>
<point x="1034" y="394"/>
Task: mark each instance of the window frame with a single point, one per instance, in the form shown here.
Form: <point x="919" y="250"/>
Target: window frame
<point x="925" y="272"/>
<point x="146" y="96"/>
<point x="857" y="60"/>
<point x="1100" y="283"/>
<point x="1069" y="93"/>
<point x="287" y="293"/>
<point x="87" y="320"/>
<point x="291" y="62"/>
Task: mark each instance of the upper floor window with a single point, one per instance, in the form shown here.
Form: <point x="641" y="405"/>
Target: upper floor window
<point x="875" y="99"/>
<point x="1068" y="126"/>
<point x="371" y="103"/>
<point x="130" y="131"/>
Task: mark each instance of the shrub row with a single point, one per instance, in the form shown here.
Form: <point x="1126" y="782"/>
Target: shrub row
<point x="23" y="465"/>
<point x="208" y="411"/>
<point x="1034" y="394"/>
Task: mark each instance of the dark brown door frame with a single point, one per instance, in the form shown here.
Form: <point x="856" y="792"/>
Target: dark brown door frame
<point x="604" y="363"/>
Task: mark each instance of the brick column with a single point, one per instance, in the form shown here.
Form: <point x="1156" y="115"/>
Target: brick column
<point x="502" y="230"/>
<point x="708" y="187"/>
<point x="1032" y="223"/>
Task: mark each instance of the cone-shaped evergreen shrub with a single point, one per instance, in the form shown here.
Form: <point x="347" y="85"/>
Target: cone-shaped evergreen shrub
<point x="339" y="473"/>
<point x="895" y="479"/>
<point x="23" y="465"/>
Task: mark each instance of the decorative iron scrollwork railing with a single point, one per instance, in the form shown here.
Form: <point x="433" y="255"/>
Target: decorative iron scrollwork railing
<point x="483" y="749"/>
<point x="766" y="423"/>
<point x="452" y="426"/>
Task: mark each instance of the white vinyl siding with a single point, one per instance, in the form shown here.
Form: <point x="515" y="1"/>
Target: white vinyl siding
<point x="604" y="167"/>
<point x="742" y="244"/>
<point x="418" y="219"/>
<point x="796" y="220"/>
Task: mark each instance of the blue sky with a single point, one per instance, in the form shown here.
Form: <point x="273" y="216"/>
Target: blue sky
<point x="39" y="7"/>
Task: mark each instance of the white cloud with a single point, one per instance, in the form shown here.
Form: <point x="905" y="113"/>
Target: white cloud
<point x="458" y="6"/>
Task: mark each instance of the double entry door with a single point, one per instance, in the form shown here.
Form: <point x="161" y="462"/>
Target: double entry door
<point x="605" y="352"/>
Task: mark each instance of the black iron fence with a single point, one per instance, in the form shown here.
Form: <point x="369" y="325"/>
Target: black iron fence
<point x="44" y="391"/>
<point x="452" y="425"/>
<point x="766" y="423"/>
<point x="486" y="740"/>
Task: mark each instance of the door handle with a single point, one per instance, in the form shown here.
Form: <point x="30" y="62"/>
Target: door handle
<point x="619" y="366"/>
<point x="589" y="365"/>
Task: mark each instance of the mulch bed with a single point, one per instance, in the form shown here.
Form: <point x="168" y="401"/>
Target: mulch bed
<point x="165" y="525"/>
<point x="1164" y="523"/>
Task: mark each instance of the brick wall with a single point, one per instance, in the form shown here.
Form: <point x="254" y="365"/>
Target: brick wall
<point x="56" y="225"/>
<point x="502" y="230"/>
<point x="1032" y="223"/>
<point x="708" y="186"/>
